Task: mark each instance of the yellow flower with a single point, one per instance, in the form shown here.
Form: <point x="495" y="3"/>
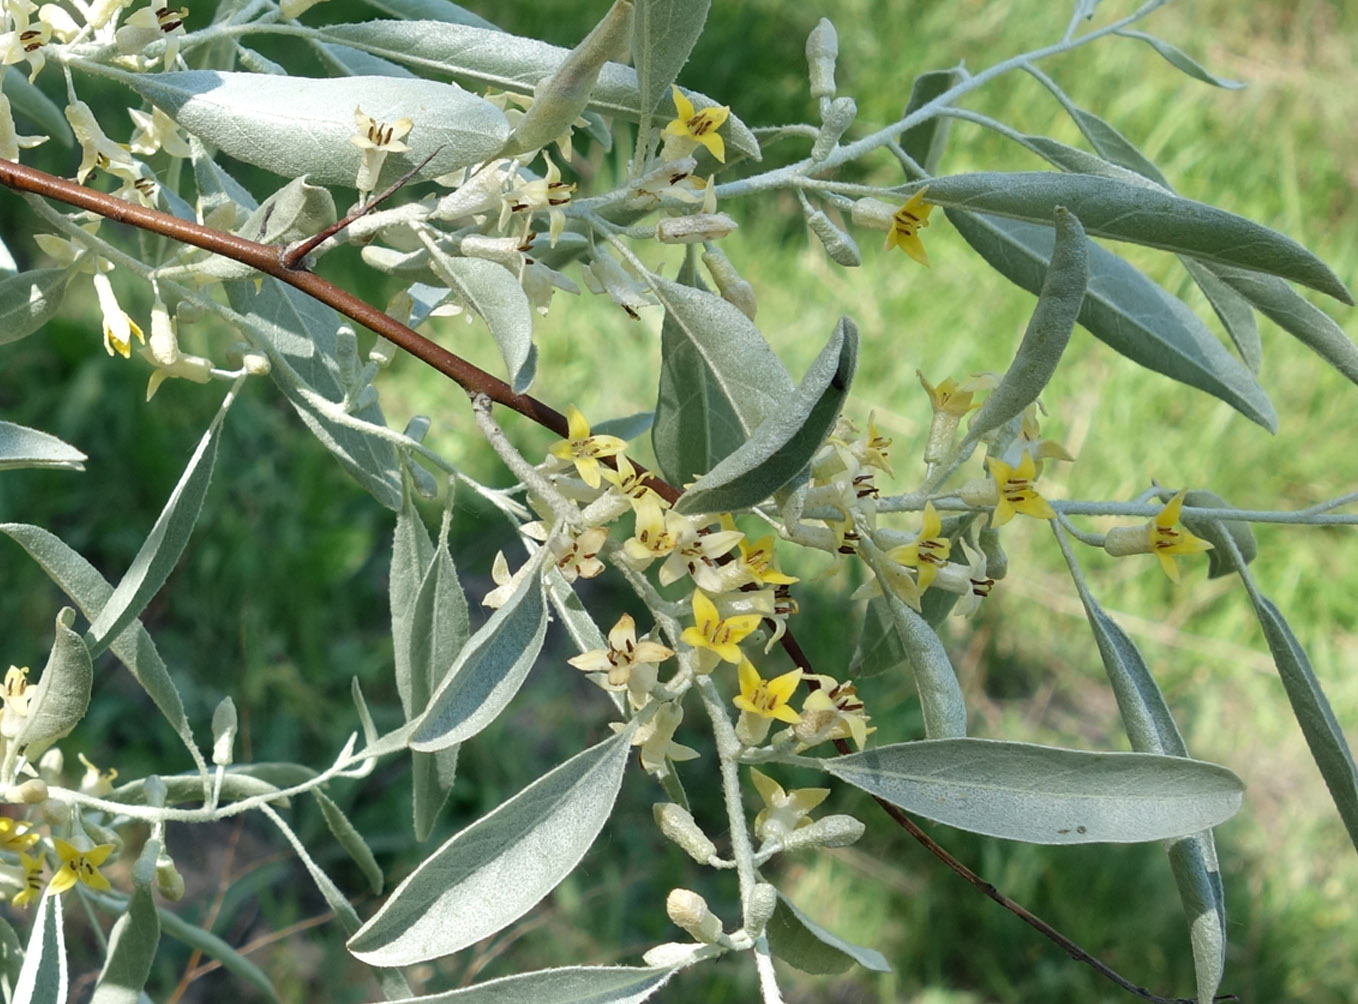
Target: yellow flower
<point x="15" y="834"/>
<point x="716" y="640"/>
<point x="698" y="128"/>
<point x="832" y="712"/>
<point x="909" y="220"/>
<point x="32" y="867"/>
<point x="1166" y="541"/>
<point x="784" y="811"/>
<point x="928" y="553"/>
<point x="630" y="664"/>
<point x="79" y="866"/>
<point x="759" y="562"/>
<point x="119" y="329"/>
<point x="584" y="449"/>
<point x="1016" y="492"/>
<point x="767" y="698"/>
<point x="632" y="483"/>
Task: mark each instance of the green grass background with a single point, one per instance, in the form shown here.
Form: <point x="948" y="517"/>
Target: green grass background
<point x="281" y="596"/>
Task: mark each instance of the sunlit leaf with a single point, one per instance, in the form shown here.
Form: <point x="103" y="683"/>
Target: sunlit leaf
<point x="21" y="446"/>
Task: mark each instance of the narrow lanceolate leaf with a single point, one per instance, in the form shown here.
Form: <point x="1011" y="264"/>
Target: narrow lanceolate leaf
<point x="664" y="33"/>
<point x="163" y="545"/>
<point x="878" y="648"/>
<point x="441" y="630"/>
<point x="781" y="446"/>
<point x="491" y="291"/>
<point x="1181" y="61"/>
<point x="570" y="985"/>
<point x="925" y="142"/>
<point x="1318" y="723"/>
<point x="21" y="446"/>
<point x="1045" y="795"/>
<point x="1125" y="212"/>
<point x="1220" y="559"/>
<point x="499" y="867"/>
<point x="215" y="948"/>
<point x="29" y="300"/>
<point x="940" y="695"/>
<point x="79" y="580"/>
<point x="492" y="58"/>
<point x="351" y="840"/>
<point x="11" y="955"/>
<point x="490" y="668"/>
<point x="718" y="381"/>
<point x="43" y="978"/>
<point x="1058" y="307"/>
<point x="1151" y="729"/>
<point x="431" y="10"/>
<point x="1125" y="310"/>
<point x="411" y="554"/>
<point x="131" y="950"/>
<point x="298" y="335"/>
<point x="801" y="942"/>
<point x="1232" y="309"/>
<point x="1296" y="315"/>
<point x="62" y="695"/>
<point x="297" y="126"/>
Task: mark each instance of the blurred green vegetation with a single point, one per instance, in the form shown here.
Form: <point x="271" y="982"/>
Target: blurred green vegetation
<point x="281" y="597"/>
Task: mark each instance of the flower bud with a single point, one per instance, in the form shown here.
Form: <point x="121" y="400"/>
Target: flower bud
<point x="981" y="492"/>
<point x="842" y="249"/>
<point x="759" y="908"/>
<point x="55" y="812"/>
<point x="256" y="363"/>
<point x="31" y="792"/>
<point x="996" y="561"/>
<point x="838" y="116"/>
<point x="678" y="824"/>
<point x="831" y="831"/>
<point x="873" y="213"/>
<point x="730" y="284"/>
<point x="1124" y="540"/>
<point x="223" y="732"/>
<point x="169" y="883"/>
<point x="689" y="911"/>
<point x="822" y="49"/>
<point x="694" y="229"/>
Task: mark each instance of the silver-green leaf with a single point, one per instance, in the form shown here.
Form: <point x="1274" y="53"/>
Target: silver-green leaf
<point x="297" y="126"/>
<point x="43" y="978"/>
<point x="940" y="694"/>
<point x="1048" y="331"/>
<point x="1141" y="215"/>
<point x="1125" y="310"/>
<point x="29" y="300"/>
<point x="131" y="950"/>
<point x="1045" y="795"/>
<point x="499" y="867"/>
<point x="664" y="33"/>
<point x="493" y="293"/>
<point x="569" y="985"/>
<point x="62" y="696"/>
<point x="351" y="840"/>
<point x="802" y="943"/>
<point x="781" y="446"/>
<point x="1181" y="61"/>
<point x="490" y="668"/>
<point x="21" y="446"/>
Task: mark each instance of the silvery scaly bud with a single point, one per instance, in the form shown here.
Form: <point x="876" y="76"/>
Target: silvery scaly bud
<point x="55" y="812"/>
<point x="839" y="115"/>
<point x="103" y="835"/>
<point x="1123" y="540"/>
<point x="144" y="868"/>
<point x="169" y="883"/>
<point x="31" y="792"/>
<point x="832" y="831"/>
<point x="256" y="364"/>
<point x="873" y="213"/>
<point x="223" y="732"/>
<point x="678" y="824"/>
<point x="730" y="284"/>
<point x="762" y="902"/>
<point x="822" y="49"/>
<point x="694" y="229"/>
<point x="996" y="561"/>
<point x="842" y="249"/>
<point x="689" y="911"/>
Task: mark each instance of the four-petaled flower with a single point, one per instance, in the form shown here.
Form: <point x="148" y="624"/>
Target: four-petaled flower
<point x="928" y="553"/>
<point x="1166" y="541"/>
<point x="577" y="557"/>
<point x="832" y="712"/>
<point x="584" y="449"/>
<point x="767" y="698"/>
<point x="909" y="220"/>
<point x="716" y="640"/>
<point x="79" y="866"/>
<point x="16" y="834"/>
<point x="630" y="664"/>
<point x="697" y="128"/>
<point x="32" y="866"/>
<point x="784" y="811"/>
<point x="548" y="193"/>
<point x="1016" y="492"/>
<point x="376" y="140"/>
